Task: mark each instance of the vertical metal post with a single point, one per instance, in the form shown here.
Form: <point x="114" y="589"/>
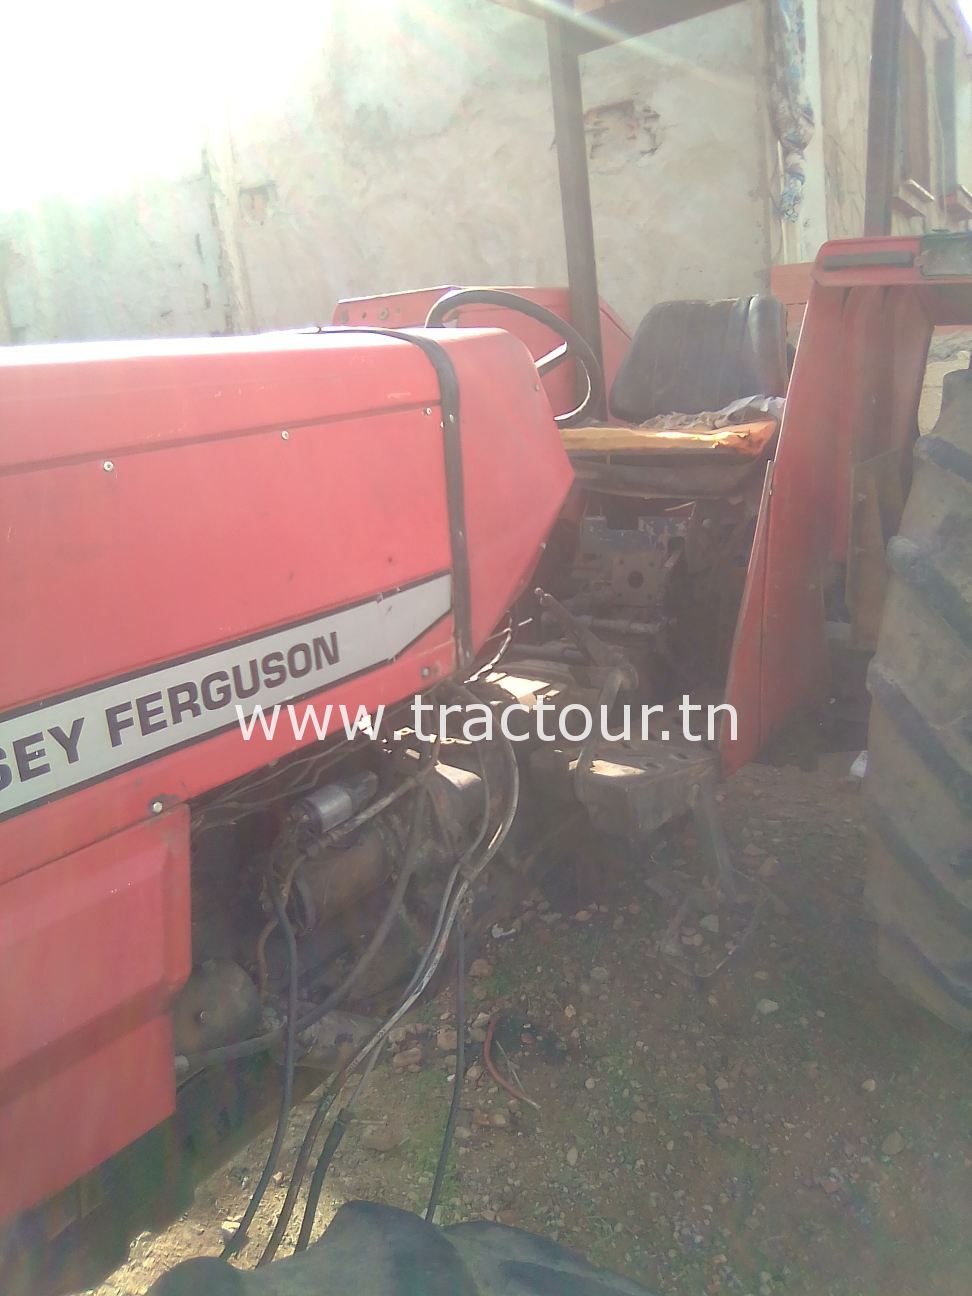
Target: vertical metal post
<point x="575" y="188"/>
<point x="882" y="116"/>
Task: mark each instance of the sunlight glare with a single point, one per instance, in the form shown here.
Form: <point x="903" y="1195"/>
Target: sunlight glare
<point x="102" y="95"/>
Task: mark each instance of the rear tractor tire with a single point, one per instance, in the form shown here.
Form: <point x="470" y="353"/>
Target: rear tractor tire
<point x="919" y="777"/>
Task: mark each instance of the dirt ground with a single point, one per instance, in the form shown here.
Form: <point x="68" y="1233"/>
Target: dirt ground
<point x="785" y="1124"/>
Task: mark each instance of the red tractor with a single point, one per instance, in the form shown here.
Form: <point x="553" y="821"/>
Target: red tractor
<point x="350" y="517"/>
<point x="355" y="516"/>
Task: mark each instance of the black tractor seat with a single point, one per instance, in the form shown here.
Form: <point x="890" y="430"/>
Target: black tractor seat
<point x="688" y="357"/>
<point x="688" y="360"/>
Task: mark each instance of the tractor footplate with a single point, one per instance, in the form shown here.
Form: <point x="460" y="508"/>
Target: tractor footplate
<point x="631" y="788"/>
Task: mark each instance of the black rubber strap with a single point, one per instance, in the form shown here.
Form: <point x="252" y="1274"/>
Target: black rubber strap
<point x="448" y="381"/>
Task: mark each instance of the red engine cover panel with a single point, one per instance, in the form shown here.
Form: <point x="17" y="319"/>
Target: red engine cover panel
<point x="187" y="526"/>
<point x="91" y="949"/>
<point x="153" y="497"/>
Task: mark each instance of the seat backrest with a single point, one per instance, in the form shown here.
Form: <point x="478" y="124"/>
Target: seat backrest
<point x="691" y="356"/>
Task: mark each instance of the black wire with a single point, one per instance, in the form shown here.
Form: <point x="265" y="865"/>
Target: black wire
<point x="300" y="1167"/>
<point x="286" y="1096"/>
<point x="260" y="1043"/>
<point x="339" y="1128"/>
<point x="327" y="1097"/>
<point x="412" y="846"/>
<point x="450" y="1124"/>
<point x="448" y="917"/>
<point x="449" y="909"/>
<point x="331" y="1144"/>
<point x="233" y="1052"/>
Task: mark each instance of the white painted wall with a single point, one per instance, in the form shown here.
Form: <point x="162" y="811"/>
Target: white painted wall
<point x="377" y="145"/>
<point x="845" y="34"/>
<point x="146" y="264"/>
<point x="420" y="151"/>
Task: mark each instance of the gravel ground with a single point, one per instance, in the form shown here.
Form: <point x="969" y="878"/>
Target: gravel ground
<point x="726" y="1099"/>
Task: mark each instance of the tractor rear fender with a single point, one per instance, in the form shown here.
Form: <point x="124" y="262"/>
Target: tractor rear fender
<point x="853" y="398"/>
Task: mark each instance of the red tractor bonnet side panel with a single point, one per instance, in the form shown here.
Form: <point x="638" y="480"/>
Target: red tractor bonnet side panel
<point x="208" y="504"/>
<point x="189" y="527"/>
<point x="509" y="454"/>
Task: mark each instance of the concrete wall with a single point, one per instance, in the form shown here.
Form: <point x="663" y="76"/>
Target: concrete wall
<point x="395" y="144"/>
<point x="146" y="264"/>
<point x="420" y="151"/>
<point x="845" y="69"/>
<point x="845" y="60"/>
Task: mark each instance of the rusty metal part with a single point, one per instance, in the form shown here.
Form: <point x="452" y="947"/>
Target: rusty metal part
<point x="595" y="649"/>
<point x="338" y="878"/>
<point x="631" y="787"/>
<point x="378" y="805"/>
<point x="456" y="797"/>
<point x="877" y="501"/>
<point x="331" y="1042"/>
<point x="312" y="817"/>
<point x="219" y="1003"/>
<point x="625" y="564"/>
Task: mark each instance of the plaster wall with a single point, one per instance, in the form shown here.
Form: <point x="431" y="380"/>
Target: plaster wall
<point x="430" y="160"/>
<point x="845" y="38"/>
<point x="146" y="264"/>
<point x="419" y="151"/>
<point x="845" y="50"/>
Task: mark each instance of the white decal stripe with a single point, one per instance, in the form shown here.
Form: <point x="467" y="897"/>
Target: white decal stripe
<point x="47" y="751"/>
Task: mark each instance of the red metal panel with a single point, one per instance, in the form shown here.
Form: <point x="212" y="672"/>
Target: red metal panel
<point x="91" y="949"/>
<point x="45" y="833"/>
<point x="202" y="542"/>
<point x="795" y="658"/>
<point x="206" y="509"/>
<point x="853" y="395"/>
<point x="780" y="637"/>
<point x="209" y="526"/>
<point x="80" y="399"/>
<point x="861" y="366"/>
<point x="511" y="453"/>
<point x="401" y="310"/>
